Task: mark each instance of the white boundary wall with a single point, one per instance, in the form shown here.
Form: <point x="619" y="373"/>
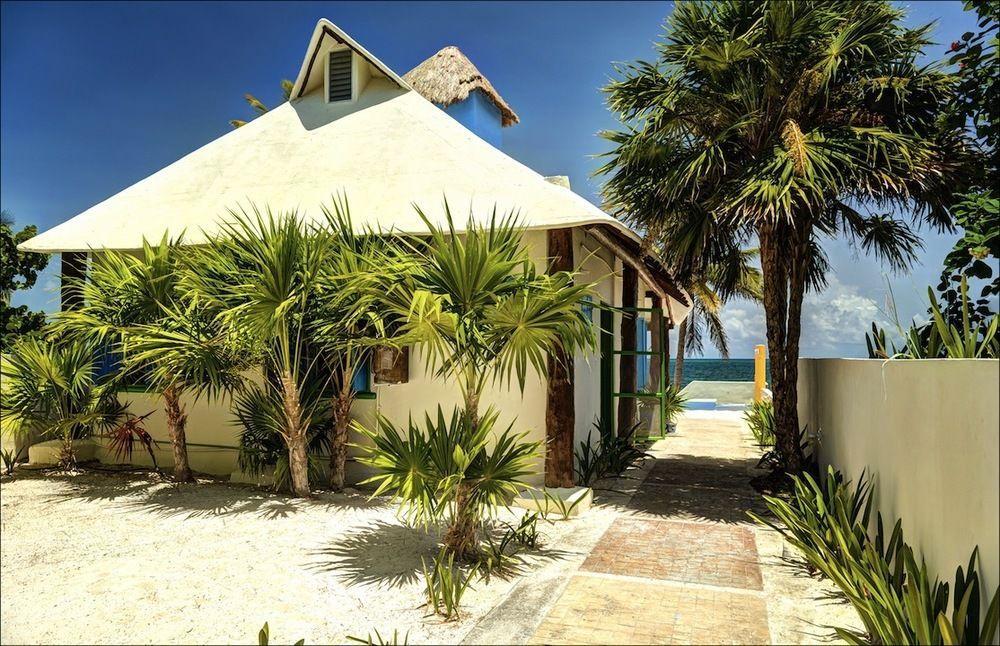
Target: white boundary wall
<point x="930" y="432"/>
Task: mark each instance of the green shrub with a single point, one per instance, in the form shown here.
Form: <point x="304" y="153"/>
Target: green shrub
<point x="611" y="456"/>
<point x="895" y="598"/>
<point x="760" y="419"/>
<point x="452" y="469"/>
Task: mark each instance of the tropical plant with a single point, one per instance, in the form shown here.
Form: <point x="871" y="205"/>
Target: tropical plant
<point x="775" y="121"/>
<point x="895" y="598"/>
<point x="674" y="403"/>
<point x="347" y="321"/>
<point x="379" y="640"/>
<point x="610" y="456"/>
<point x="50" y="389"/>
<point x="450" y="469"/>
<point x="940" y="337"/>
<point x="123" y="438"/>
<point x="9" y="457"/>
<point x="759" y="417"/>
<point x="18" y="271"/>
<point x="260" y="414"/>
<point x="479" y="311"/>
<point x="445" y="583"/>
<point x="258" y="281"/>
<point x="258" y="106"/>
<point x="133" y="307"/>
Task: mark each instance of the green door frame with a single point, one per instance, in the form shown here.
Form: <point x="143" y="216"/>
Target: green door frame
<point x="608" y="394"/>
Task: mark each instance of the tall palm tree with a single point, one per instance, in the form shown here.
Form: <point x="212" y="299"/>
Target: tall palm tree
<point x="258" y="106"/>
<point x="480" y="313"/>
<point x="782" y="121"/>
<point x="133" y="306"/>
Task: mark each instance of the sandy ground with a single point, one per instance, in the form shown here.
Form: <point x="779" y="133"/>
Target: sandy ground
<point x="126" y="558"/>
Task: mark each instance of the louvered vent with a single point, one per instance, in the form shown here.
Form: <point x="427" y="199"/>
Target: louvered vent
<point x="340" y="75"/>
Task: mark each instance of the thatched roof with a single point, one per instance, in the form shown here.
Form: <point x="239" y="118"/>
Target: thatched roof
<point x="448" y="77"/>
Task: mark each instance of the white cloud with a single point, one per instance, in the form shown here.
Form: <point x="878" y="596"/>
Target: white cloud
<point x="834" y="322"/>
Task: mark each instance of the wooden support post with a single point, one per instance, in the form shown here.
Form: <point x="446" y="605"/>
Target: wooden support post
<point x="626" y="362"/>
<point x="72" y="273"/>
<point x="560" y="408"/>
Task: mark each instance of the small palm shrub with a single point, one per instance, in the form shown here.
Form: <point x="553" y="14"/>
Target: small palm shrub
<point x="452" y="469"/>
<point x="445" y="583"/>
<point x="9" y="457"/>
<point x="378" y="640"/>
<point x="50" y="388"/>
<point x="896" y="599"/>
<point x="760" y="420"/>
<point x="674" y="403"/>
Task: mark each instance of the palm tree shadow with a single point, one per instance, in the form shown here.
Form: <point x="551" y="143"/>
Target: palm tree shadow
<point x="383" y="554"/>
<point x="142" y="491"/>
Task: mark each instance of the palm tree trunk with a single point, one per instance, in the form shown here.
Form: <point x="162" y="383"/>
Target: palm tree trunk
<point x="560" y="407"/>
<point x="774" y="266"/>
<point x="338" y="436"/>
<point x="679" y="361"/>
<point x="176" y="423"/>
<point x="462" y="535"/>
<point x="295" y="430"/>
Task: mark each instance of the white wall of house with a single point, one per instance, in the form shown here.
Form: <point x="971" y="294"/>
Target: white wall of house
<point x="929" y="431"/>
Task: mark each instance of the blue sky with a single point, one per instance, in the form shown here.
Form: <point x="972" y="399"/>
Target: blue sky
<point x="96" y="96"/>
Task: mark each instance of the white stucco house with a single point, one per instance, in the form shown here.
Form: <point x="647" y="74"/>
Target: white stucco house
<point x="354" y="126"/>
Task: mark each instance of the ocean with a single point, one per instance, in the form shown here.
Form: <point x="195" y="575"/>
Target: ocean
<point x="715" y="370"/>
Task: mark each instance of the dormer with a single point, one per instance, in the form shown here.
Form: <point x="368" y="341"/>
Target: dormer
<point x="450" y="80"/>
<point x="338" y="67"/>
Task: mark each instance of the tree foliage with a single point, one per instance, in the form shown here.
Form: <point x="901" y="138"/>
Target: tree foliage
<point x="18" y="271"/>
<point x="791" y="122"/>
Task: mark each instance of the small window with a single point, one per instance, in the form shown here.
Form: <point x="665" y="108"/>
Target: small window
<point x="339" y="88"/>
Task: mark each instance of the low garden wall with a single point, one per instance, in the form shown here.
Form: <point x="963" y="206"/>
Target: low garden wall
<point x="929" y="431"/>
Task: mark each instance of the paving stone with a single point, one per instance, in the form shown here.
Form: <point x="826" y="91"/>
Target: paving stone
<point x="710" y="554"/>
<point x="591" y="607"/>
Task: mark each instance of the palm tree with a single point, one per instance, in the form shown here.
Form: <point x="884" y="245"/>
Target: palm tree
<point x="782" y="121"/>
<point x="132" y="305"/>
<point x="51" y="389"/>
<point x="259" y="280"/>
<point x="258" y="106"/>
<point x="347" y="322"/>
<point x="480" y="313"/>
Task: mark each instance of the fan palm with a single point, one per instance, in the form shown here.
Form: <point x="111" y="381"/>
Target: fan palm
<point x="133" y="305"/>
<point x="258" y="280"/>
<point x="50" y="389"/>
<point x="475" y="305"/>
<point x="779" y="121"/>
<point x="347" y="320"/>
<point x="258" y="106"/>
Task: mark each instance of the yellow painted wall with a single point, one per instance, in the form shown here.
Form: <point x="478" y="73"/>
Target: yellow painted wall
<point x="929" y="430"/>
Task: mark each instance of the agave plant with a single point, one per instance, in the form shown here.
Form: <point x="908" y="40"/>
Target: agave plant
<point x="759" y="417"/>
<point x="453" y="468"/>
<point x="50" y="389"/>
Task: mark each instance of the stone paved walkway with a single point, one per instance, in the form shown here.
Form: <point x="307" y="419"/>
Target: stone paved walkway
<point x="682" y="563"/>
